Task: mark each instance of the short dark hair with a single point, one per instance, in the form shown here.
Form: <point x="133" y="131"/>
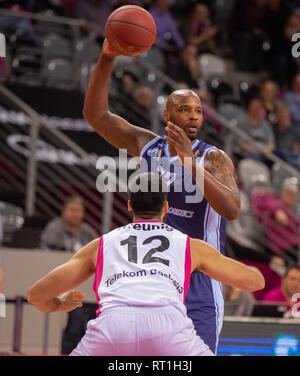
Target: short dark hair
<point x="147" y="193"/>
<point x="290" y="267"/>
<point x="75" y="198"/>
<point x="251" y="99"/>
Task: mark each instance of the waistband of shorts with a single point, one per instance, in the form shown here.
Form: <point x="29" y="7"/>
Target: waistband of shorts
<point x="144" y="309"/>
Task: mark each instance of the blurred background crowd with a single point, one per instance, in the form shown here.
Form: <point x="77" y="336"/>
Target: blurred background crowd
<point x="237" y="54"/>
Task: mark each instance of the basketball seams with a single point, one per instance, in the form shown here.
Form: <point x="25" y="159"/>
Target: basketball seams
<point x="135" y="30"/>
<point x="124" y="41"/>
<point x="130" y="23"/>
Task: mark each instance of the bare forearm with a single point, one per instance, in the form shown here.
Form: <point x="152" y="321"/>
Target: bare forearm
<point x="96" y="98"/>
<point x="51" y="305"/>
<point x="208" y="260"/>
<point x="235" y="274"/>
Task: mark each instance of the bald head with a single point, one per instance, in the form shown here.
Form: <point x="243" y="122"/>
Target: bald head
<point x="177" y="97"/>
<point x="184" y="109"/>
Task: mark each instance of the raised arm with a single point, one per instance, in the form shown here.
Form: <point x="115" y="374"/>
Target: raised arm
<point x="206" y="259"/>
<point x="114" y="129"/>
<point x="52" y="292"/>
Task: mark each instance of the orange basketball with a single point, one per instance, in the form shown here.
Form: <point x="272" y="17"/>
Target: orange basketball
<point x="130" y="30"/>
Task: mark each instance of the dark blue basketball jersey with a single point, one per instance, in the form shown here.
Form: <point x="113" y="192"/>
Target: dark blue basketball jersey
<point x="190" y="213"/>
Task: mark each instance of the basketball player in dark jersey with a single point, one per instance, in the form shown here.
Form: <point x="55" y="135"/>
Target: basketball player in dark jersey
<point x="211" y="168"/>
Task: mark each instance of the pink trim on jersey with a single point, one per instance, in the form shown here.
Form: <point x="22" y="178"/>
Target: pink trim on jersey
<point x="150" y="220"/>
<point x="98" y="274"/>
<point x="187" y="267"/>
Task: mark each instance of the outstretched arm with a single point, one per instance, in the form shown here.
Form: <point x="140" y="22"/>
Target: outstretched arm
<point x="52" y="292"/>
<point x="206" y="259"/>
<point x="216" y="178"/>
<point x="114" y="129"/>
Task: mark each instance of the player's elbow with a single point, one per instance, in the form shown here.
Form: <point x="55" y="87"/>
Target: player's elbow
<point x="94" y="117"/>
<point x="232" y="213"/>
<point x="33" y="297"/>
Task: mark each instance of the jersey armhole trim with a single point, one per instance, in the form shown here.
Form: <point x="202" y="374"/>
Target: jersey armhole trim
<point x="149" y="144"/>
<point x="187" y="267"/>
<point x="98" y="273"/>
<point x="202" y="158"/>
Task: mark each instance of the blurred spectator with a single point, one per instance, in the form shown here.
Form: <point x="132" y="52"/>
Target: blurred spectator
<point x="268" y="93"/>
<point x="128" y="84"/>
<point x="68" y="232"/>
<point x="121" y="3"/>
<point x="255" y="125"/>
<point x="198" y="30"/>
<point x="290" y="285"/>
<point x="287" y="140"/>
<point x="292" y="99"/>
<point x="277" y="215"/>
<point x="94" y="11"/>
<point x="237" y="302"/>
<point x="168" y="36"/>
<point x="247" y="32"/>
<point x="141" y="111"/>
<point x="185" y="67"/>
<point x="57" y="6"/>
<point x="22" y="26"/>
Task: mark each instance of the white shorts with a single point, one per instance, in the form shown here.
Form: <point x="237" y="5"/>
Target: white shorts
<point x="140" y="331"/>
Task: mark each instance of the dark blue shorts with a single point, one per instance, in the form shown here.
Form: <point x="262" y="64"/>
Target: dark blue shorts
<point x="205" y="306"/>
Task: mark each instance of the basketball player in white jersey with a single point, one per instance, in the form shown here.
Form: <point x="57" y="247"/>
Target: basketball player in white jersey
<point x="142" y="273"/>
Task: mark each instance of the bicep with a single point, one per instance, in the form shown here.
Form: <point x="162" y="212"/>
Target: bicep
<point x="121" y="134"/>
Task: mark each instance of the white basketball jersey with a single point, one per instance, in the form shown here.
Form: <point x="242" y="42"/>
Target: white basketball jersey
<point x="145" y="263"/>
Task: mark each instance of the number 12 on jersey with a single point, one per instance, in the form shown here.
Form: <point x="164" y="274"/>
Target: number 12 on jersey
<point x="131" y="241"/>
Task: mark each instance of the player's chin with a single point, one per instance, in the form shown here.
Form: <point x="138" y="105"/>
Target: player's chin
<point x="192" y="132"/>
<point x="192" y="135"/>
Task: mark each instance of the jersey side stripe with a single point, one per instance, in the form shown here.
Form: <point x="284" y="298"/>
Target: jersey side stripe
<point x="98" y="273"/>
<point x="187" y="267"/>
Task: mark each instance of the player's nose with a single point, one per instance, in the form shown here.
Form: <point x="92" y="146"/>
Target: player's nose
<point x="194" y="115"/>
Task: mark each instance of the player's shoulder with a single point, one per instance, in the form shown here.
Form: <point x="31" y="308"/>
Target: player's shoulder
<point x="153" y="147"/>
<point x="217" y="159"/>
<point x="214" y="152"/>
<point x="117" y="231"/>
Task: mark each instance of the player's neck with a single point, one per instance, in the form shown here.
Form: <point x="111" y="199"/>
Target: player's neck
<point x="154" y="219"/>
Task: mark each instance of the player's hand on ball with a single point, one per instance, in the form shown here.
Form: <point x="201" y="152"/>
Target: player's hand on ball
<point x="182" y="144"/>
<point x="70" y="300"/>
<point x="108" y="51"/>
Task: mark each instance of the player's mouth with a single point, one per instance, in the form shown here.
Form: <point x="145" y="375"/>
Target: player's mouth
<point x="192" y="128"/>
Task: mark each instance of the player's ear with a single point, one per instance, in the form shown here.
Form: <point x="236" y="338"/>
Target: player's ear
<point x="165" y="208"/>
<point x="166" y="116"/>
